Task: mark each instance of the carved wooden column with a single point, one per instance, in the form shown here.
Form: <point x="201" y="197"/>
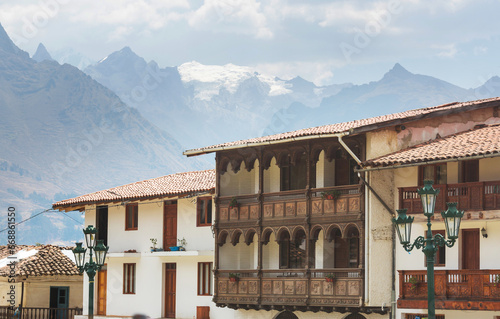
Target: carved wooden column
<point x="260" y="199"/>
<point x="216" y="225"/>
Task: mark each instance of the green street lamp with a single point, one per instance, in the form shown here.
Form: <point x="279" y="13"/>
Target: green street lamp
<point x="91" y="267"/>
<point x="430" y="244"/>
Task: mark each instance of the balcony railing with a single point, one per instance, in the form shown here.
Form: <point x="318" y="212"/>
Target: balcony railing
<point x="38" y="313"/>
<point x="455" y="289"/>
<point x="291" y="287"/>
<point x="290" y="204"/>
<point x="470" y="196"/>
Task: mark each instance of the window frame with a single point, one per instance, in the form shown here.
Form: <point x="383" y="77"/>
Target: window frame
<point x="435" y="177"/>
<point x="201" y="206"/>
<point x="129" y="276"/>
<point x="202" y="280"/>
<point x="135" y="216"/>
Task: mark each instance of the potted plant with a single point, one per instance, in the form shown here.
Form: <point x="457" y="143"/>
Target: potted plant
<point x="182" y="244"/>
<point x="233" y="203"/>
<point x="413" y="283"/>
<point x="234" y="277"/>
<point x="153" y="241"/>
<point x="330" y="277"/>
<point x="332" y="194"/>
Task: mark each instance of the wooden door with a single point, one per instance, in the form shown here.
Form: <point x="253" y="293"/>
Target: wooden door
<point x="470" y="248"/>
<point x="102" y="279"/>
<point x="169" y="225"/>
<point x="170" y="282"/>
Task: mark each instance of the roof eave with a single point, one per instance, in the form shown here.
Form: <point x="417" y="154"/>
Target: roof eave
<point x="395" y="165"/>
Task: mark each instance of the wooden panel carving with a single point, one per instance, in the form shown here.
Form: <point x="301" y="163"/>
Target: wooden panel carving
<point x="353" y="289"/>
<point x="233" y="214"/>
<point x="340" y="288"/>
<point x="316" y="288"/>
<point x="316" y="207"/>
<point x="341" y="205"/>
<point x="327" y="288"/>
<point x="354" y="204"/>
<point x="267" y="287"/>
<point x="233" y="287"/>
<point x="223" y="214"/>
<point x="300" y="287"/>
<point x="290" y="209"/>
<point x="277" y="287"/>
<point x="243" y="287"/>
<point x="268" y="210"/>
<point x="278" y="210"/>
<point x="301" y="208"/>
<point x="254" y="212"/>
<point x="222" y="287"/>
<point x="329" y="206"/>
<point x="252" y="287"/>
<point x="289" y="287"/>
<point x="244" y="212"/>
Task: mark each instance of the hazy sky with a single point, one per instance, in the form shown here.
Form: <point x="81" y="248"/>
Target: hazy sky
<point x="332" y="41"/>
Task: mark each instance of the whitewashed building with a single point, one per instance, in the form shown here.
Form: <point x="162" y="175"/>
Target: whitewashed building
<point x="173" y="210"/>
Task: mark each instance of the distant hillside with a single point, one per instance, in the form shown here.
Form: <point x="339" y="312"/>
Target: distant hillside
<point x="65" y="134"/>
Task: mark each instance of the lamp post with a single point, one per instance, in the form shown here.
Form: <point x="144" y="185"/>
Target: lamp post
<point x="90" y="267"/>
<point x="429" y="244"/>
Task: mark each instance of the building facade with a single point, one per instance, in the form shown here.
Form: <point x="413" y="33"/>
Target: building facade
<point x="144" y="224"/>
<point x="301" y="231"/>
<point x="465" y="167"/>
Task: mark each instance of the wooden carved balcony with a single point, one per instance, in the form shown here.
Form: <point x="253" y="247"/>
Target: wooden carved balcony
<point x="290" y="287"/>
<point x="293" y="204"/>
<point x="470" y="196"/>
<point x="455" y="289"/>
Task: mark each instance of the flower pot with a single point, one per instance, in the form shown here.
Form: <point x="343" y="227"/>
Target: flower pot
<point x="233" y="279"/>
<point x="329" y="279"/>
<point x="174" y="248"/>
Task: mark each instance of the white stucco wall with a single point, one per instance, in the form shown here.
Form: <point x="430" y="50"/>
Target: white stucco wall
<point x="150" y="267"/>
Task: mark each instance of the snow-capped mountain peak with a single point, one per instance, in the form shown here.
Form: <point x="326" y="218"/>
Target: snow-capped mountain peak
<point x="212" y="78"/>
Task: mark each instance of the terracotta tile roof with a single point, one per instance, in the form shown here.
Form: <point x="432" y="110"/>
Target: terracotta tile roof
<point x="352" y="126"/>
<point x="481" y="141"/>
<point x="174" y="184"/>
<point x="48" y="260"/>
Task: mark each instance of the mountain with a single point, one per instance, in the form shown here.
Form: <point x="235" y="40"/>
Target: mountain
<point x="70" y="56"/>
<point x="41" y="54"/>
<point x="212" y="100"/>
<point x="398" y="90"/>
<point x="65" y="134"/>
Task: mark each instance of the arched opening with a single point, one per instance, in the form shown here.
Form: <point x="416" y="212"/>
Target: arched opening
<point x="286" y="315"/>
<point x="355" y="316"/>
<point x="345" y="248"/>
<point x="292" y="252"/>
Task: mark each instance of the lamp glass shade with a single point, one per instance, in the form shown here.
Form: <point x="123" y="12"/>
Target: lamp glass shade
<point x="100" y="252"/>
<point x="403" y="226"/>
<point x="90" y="235"/>
<point x="428" y="196"/>
<point x="79" y="253"/>
<point x="452" y="218"/>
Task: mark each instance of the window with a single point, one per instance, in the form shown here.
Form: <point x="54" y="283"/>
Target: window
<point x="469" y="171"/>
<point x="131" y="216"/>
<point x="204" y="212"/>
<point x="204" y="279"/>
<point x="295" y="176"/>
<point x="129" y="278"/>
<point x="436" y="173"/>
<point x="440" y="257"/>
